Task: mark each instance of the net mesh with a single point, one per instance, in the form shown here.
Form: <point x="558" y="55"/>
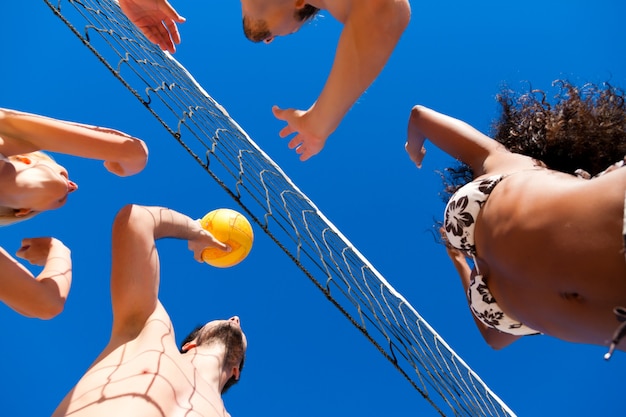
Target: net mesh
<point x="273" y="201"/>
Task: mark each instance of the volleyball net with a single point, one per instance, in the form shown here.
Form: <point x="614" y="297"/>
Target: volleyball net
<point x="277" y="206"/>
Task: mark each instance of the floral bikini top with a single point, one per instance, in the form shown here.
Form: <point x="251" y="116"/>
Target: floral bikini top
<point x="462" y="210"/>
<point x="459" y="223"/>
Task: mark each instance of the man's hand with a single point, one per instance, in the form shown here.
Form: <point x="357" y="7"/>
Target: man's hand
<point x="156" y="19"/>
<point x="307" y="143"/>
<point x="204" y="240"/>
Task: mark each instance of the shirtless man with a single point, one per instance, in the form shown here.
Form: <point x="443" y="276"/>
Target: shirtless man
<point x="370" y="33"/>
<point x="141" y="372"/>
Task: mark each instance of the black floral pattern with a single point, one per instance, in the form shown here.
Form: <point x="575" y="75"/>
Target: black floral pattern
<point x="486" y="309"/>
<point x="457" y="219"/>
<point x="461" y="212"/>
<point x="459" y="223"/>
<point x="491" y="317"/>
<point x="487" y="185"/>
<point x="483" y="290"/>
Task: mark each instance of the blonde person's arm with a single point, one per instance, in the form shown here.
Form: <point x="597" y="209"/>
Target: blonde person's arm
<point x="42" y="296"/>
<point x="370" y="33"/>
<point x="22" y="132"/>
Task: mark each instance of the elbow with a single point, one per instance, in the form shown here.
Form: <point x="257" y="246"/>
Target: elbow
<point x="416" y="113"/>
<point x="126" y="216"/>
<point x="52" y="310"/>
<point x="397" y="14"/>
<point x="496" y="345"/>
<point x="136" y="153"/>
<point x="391" y="17"/>
<point x="403" y="14"/>
<point x="48" y="302"/>
<point x="140" y="151"/>
<point x="417" y="110"/>
<point x="46" y="310"/>
<point x="496" y="339"/>
<point x="130" y="220"/>
<point x="132" y="158"/>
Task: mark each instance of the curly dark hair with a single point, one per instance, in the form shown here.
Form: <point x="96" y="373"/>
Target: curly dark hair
<point x="585" y="128"/>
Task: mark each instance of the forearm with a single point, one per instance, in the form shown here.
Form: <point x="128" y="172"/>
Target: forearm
<point x="44" y="296"/>
<point x="461" y="266"/>
<point x="135" y="271"/>
<point x="453" y="136"/>
<point x="162" y="222"/>
<point x="55" y="280"/>
<point x="26" y="132"/>
<point x="370" y="33"/>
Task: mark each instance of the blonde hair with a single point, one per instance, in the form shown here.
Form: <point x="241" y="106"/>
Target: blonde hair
<point x="7" y="214"/>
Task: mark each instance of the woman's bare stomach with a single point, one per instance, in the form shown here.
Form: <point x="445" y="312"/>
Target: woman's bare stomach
<point x="554" y="250"/>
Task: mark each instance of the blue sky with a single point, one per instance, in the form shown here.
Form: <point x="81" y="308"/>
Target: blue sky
<point x="304" y="357"/>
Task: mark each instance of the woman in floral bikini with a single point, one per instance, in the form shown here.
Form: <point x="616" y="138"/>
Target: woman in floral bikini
<point x="543" y="221"/>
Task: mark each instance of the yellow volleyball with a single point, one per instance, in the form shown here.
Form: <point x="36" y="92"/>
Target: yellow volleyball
<point x="229" y="227"/>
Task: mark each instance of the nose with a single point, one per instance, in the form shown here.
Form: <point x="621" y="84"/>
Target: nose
<point x="235" y="319"/>
<point x="72" y="186"/>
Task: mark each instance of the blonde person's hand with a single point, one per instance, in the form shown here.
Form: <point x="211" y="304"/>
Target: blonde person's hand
<point x="307" y="143"/>
<point x="37" y="250"/>
<point x="156" y="19"/>
<point x="204" y="240"/>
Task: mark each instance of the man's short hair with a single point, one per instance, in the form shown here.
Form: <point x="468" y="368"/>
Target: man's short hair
<point x="258" y="31"/>
<point x="306" y="12"/>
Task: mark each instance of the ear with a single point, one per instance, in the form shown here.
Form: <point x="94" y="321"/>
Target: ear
<point x="300" y="4"/>
<point x="23" y="212"/>
<point x="24" y="159"/>
<point x="188" y="346"/>
<point x="235" y="373"/>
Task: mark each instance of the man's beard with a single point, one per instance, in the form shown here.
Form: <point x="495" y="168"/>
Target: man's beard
<point x="232" y="339"/>
<point x="230" y="336"/>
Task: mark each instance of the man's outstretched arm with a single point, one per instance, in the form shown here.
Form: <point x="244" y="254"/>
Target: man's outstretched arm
<point x="135" y="275"/>
<point x="371" y="31"/>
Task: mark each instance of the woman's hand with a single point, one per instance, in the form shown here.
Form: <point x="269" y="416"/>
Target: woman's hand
<point x="414" y="146"/>
<point x="38" y="250"/>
